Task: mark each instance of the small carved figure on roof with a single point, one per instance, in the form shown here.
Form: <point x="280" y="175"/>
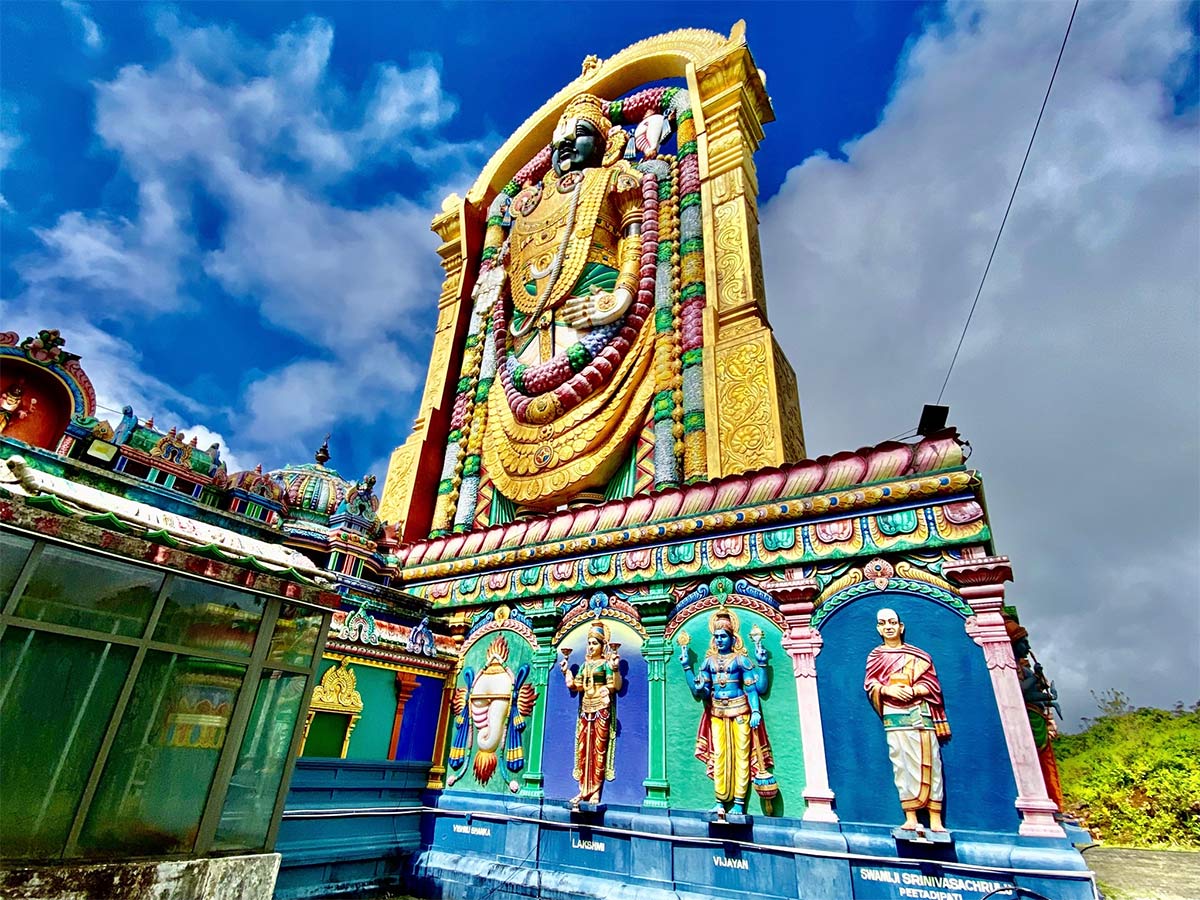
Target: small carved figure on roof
<point x="14" y="405"/>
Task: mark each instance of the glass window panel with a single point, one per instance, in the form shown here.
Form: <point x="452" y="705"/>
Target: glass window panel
<point x="14" y="550"/>
<point x="57" y="696"/>
<point x="160" y="770"/>
<point x="295" y="637"/>
<point x="261" y="763"/>
<point x="210" y="617"/>
<point x="89" y="591"/>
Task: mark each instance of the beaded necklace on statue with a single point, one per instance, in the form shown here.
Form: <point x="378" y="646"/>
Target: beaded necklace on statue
<point x="722" y="665"/>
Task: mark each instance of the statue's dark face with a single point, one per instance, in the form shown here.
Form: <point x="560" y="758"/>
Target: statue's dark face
<point x="723" y="640"/>
<point x="581" y="149"/>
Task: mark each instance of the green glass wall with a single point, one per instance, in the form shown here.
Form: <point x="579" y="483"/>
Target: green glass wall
<point x="143" y="712"/>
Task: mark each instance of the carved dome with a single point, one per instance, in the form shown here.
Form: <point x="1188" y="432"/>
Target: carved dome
<point x="314" y="491"/>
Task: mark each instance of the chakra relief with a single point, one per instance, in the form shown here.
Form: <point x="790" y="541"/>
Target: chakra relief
<point x="491" y="706"/>
<point x="732" y="740"/>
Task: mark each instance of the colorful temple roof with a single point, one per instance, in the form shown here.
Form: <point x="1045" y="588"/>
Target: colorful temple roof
<point x="829" y="484"/>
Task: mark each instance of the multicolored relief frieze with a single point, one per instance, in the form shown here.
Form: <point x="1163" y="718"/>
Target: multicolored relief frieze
<point x="893" y="532"/>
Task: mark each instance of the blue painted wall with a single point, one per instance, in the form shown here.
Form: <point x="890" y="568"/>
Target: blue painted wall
<point x="631" y="732"/>
<point x="419" y="726"/>
<point x="980" y="790"/>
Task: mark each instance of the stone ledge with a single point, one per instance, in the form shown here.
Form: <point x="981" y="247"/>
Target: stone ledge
<point x="214" y="878"/>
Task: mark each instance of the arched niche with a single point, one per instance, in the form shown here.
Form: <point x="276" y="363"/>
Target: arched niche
<point x="690" y="786"/>
<point x="504" y="636"/>
<point x="55" y="388"/>
<point x="979" y="785"/>
<point x="630" y="729"/>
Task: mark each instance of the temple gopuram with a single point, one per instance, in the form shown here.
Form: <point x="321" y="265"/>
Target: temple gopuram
<point x="607" y="631"/>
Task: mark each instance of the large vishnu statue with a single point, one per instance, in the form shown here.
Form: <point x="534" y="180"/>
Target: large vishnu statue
<point x="572" y="350"/>
<point x="904" y="690"/>
<point x="732" y="740"/>
<point x="577" y="319"/>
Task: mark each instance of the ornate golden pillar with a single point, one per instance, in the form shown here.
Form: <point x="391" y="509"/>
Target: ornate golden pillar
<point x="419" y="459"/>
<point x="751" y="405"/>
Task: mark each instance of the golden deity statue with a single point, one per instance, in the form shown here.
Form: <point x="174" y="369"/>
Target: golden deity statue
<point x="601" y="330"/>
<point x="573" y="344"/>
<point x="597" y="680"/>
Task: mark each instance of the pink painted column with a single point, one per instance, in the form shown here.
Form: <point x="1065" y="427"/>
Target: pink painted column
<point x="980" y="581"/>
<point x="803" y="643"/>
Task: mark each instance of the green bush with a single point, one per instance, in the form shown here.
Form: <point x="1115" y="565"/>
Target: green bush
<point x="1134" y="775"/>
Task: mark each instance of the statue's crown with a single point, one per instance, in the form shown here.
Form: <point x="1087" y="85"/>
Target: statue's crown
<point x="585" y="106"/>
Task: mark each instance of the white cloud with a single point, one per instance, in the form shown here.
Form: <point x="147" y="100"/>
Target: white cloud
<point x="9" y="142"/>
<point x="1077" y="382"/>
<point x="262" y="132"/>
<point x="265" y="133"/>
<point x="125" y="263"/>
<point x="287" y="411"/>
<point x="206" y="438"/>
<point x="93" y="39"/>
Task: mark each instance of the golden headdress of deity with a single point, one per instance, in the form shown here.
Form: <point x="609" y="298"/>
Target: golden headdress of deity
<point x="726" y="618"/>
<point x="588" y="107"/>
<point x="600" y="631"/>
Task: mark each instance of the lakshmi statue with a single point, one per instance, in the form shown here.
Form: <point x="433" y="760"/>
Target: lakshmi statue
<point x="732" y="740"/>
<point x="904" y="690"/>
<point x="564" y="291"/>
<point x="597" y="681"/>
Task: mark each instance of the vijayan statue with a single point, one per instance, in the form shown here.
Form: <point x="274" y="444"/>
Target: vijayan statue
<point x="597" y="681"/>
<point x="732" y="741"/>
<point x="904" y="690"/>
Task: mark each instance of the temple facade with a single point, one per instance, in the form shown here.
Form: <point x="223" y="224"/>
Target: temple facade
<point x="607" y="631"/>
<point x="691" y="660"/>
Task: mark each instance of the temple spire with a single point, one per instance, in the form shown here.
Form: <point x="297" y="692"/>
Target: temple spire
<point x="322" y="455"/>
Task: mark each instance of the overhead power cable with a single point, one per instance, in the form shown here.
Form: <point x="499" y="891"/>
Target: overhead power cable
<point x="1012" y="197"/>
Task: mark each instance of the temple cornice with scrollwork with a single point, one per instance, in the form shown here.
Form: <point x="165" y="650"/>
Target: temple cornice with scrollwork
<point x="923" y="513"/>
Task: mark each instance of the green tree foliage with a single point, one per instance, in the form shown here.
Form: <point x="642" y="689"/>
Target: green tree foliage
<point x="1134" y="774"/>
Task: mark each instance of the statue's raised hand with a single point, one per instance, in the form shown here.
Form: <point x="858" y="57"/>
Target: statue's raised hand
<point x="600" y="307"/>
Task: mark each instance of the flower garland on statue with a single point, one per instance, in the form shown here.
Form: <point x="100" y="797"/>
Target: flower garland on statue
<point x="670" y="285"/>
<point x="573" y="374"/>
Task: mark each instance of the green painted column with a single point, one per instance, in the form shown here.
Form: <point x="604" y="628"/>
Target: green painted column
<point x="545" y="621"/>
<point x="655" y="607"/>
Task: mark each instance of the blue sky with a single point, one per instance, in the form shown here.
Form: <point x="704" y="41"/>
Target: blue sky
<point x="95" y="97"/>
<point x="224" y="207"/>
